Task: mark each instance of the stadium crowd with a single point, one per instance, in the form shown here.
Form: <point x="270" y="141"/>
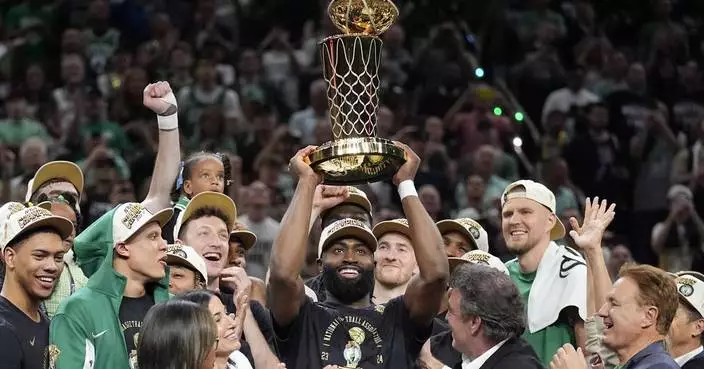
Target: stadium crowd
<point x="158" y="211"/>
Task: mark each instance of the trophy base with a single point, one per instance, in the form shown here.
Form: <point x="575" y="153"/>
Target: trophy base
<point x="357" y="160"/>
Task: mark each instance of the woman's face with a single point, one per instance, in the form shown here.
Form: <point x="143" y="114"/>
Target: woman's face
<point x="206" y="175"/>
<point x="228" y="339"/>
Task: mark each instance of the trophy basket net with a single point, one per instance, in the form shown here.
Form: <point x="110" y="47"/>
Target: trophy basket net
<point x="351" y="69"/>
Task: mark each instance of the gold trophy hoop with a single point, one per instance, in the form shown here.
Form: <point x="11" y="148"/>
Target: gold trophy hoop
<point x="351" y="69"/>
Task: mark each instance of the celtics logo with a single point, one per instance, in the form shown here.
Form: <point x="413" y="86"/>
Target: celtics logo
<point x="686" y="290"/>
<point x="474" y="232"/>
<point x="176" y="250"/>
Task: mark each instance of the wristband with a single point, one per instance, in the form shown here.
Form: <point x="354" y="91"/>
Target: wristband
<point x="168" y="120"/>
<point x="407" y="188"/>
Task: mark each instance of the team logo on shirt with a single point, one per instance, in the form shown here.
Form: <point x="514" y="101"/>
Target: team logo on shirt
<point x="359" y="332"/>
<point x="53" y="353"/>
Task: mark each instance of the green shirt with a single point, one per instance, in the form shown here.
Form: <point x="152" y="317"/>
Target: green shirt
<point x="110" y="131"/>
<point x="546" y="341"/>
<point x="25" y="17"/>
<point x="15" y="132"/>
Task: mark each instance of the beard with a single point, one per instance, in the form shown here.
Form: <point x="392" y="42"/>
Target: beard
<point x="348" y="291"/>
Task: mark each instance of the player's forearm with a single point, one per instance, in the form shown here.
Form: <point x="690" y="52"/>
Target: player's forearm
<point x="261" y="353"/>
<point x="427" y="242"/>
<point x="165" y="171"/>
<point x="290" y="245"/>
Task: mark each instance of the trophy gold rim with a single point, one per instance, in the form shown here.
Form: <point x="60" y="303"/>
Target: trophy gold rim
<point x="376" y="31"/>
<point x="392" y="157"/>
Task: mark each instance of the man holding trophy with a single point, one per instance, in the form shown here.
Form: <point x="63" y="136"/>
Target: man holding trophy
<point x="347" y="330"/>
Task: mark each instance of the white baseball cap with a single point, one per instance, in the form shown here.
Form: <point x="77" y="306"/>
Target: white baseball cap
<point x="469" y="228"/>
<point x="207" y="199"/>
<point x="66" y="170"/>
<point x="17" y="219"/>
<point x="131" y="217"/>
<point x="690" y="285"/>
<point x="478" y="257"/>
<point x="537" y="192"/>
<point x="346" y="228"/>
<point x="185" y="255"/>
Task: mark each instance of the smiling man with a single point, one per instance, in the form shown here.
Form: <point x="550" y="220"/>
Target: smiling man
<point x="205" y="225"/>
<point x="462" y="236"/>
<point x="552" y="278"/>
<point x="98" y="326"/>
<point x="187" y="270"/>
<point x="347" y="329"/>
<point x="394" y="258"/>
<point x="637" y="316"/>
<point x="32" y="247"/>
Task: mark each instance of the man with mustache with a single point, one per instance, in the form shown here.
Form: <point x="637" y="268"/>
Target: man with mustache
<point x="347" y="329"/>
<point x="32" y="248"/>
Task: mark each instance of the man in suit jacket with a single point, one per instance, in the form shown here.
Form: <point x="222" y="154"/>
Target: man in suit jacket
<point x="486" y="318"/>
<point x="688" y="324"/>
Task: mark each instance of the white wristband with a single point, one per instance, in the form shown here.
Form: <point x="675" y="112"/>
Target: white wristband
<point x="167" y="123"/>
<point x="168" y="120"/>
<point x="407" y="188"/>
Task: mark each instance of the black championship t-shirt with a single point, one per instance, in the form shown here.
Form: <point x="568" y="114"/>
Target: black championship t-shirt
<point x="260" y="314"/>
<point x="381" y="336"/>
<point x="23" y="342"/>
<point x="132" y="313"/>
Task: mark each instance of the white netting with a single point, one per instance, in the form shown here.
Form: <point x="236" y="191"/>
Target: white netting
<point x="351" y="69"/>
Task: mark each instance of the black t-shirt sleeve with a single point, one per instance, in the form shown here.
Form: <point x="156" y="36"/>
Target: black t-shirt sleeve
<point x="441" y="348"/>
<point x="263" y="318"/>
<point x="284" y="333"/>
<point x="10" y="348"/>
<point x="416" y="334"/>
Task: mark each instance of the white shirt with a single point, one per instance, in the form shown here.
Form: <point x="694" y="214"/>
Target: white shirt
<point x="237" y="360"/>
<point x="479" y="361"/>
<point x="563" y="99"/>
<point x="688" y="356"/>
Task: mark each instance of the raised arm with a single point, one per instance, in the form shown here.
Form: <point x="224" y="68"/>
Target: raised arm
<point x="285" y="290"/>
<point x="424" y="293"/>
<point x="160" y="99"/>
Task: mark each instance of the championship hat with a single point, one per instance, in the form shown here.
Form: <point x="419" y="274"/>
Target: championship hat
<point x="469" y="228"/>
<point x="346" y="228"/>
<point x="537" y="192"/>
<point x="399" y="225"/>
<point x="243" y="236"/>
<point x="207" y="199"/>
<point x="690" y="285"/>
<point x="131" y="217"/>
<point x="64" y="170"/>
<point x="17" y="219"/>
<point x="359" y="198"/>
<point x="478" y="257"/>
<point x="185" y="255"/>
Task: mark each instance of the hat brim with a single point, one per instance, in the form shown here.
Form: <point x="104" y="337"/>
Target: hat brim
<point x="360" y="201"/>
<point x="161" y="217"/>
<point x="389" y="226"/>
<point x="362" y="234"/>
<point x="62" y="225"/>
<point x="246" y="238"/>
<point x="208" y="199"/>
<point x="65" y="170"/>
<point x="177" y="260"/>
<point x="449" y="225"/>
<point x="558" y="230"/>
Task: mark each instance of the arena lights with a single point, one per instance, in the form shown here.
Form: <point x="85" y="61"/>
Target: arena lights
<point x="518" y="116"/>
<point x="517" y="142"/>
<point x="498" y="111"/>
<point x="479" y="72"/>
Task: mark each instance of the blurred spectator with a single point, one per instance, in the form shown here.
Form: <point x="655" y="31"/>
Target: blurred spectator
<point x="281" y="66"/>
<point x="206" y="91"/>
<point x="306" y="120"/>
<point x="555" y="176"/>
<point x="430" y="197"/>
<point x="566" y="99"/>
<point x="100" y="39"/>
<point x="32" y="155"/>
<point x="18" y="126"/>
<point x="257" y="221"/>
<point x="538" y="13"/>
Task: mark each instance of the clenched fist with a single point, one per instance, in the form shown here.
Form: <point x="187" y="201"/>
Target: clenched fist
<point x="160" y="99"/>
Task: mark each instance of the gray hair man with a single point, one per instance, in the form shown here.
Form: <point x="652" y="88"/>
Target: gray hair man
<point x="486" y="318"/>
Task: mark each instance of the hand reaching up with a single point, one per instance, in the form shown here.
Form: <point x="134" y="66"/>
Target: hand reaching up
<point x="597" y="218"/>
<point x="327" y="197"/>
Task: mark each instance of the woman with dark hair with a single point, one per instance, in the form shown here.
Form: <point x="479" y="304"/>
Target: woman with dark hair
<point x="177" y="334"/>
<point x="230" y="328"/>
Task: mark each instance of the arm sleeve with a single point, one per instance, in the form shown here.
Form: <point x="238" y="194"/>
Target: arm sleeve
<point x="10" y="349"/>
<point x="75" y="347"/>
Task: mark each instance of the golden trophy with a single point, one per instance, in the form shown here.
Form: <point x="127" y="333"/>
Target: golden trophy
<point x="351" y="69"/>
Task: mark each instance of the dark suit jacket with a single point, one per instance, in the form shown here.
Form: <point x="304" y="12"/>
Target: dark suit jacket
<point x="696" y="362"/>
<point x="515" y="353"/>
